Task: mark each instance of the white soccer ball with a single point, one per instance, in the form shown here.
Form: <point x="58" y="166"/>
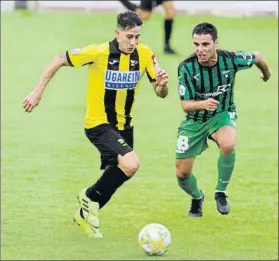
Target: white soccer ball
<point x="154" y="239"/>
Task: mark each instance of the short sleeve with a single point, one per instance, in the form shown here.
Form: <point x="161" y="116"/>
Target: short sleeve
<point x="152" y="65"/>
<point x="244" y="60"/>
<point x="82" y="56"/>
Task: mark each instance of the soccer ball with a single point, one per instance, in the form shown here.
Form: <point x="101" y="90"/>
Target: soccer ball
<point x="154" y="239"/>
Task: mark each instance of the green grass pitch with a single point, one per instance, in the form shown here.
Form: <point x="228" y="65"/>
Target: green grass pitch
<point x="46" y="158"/>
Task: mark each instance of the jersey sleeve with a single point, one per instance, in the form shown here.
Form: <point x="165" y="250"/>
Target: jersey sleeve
<point x="152" y="66"/>
<point x="244" y="60"/>
<point x="185" y="85"/>
<point x="82" y="56"/>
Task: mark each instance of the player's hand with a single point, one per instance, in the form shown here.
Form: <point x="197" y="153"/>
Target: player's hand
<point x="265" y="77"/>
<point x="31" y="100"/>
<point x="210" y="104"/>
<point x="162" y="78"/>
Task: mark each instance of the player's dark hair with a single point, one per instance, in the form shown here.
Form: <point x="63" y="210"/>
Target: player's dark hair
<point x="128" y="20"/>
<point x="206" y="28"/>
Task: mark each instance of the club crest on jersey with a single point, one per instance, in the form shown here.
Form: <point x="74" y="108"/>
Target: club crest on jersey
<point x="133" y="62"/>
<point x="116" y="80"/>
<point x="75" y="51"/>
<point x="226" y="73"/>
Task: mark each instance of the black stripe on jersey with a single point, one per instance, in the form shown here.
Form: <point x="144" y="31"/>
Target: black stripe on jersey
<point x="219" y="79"/>
<point x="204" y="114"/>
<point x="232" y="86"/>
<point x="202" y="79"/>
<point x="68" y="59"/>
<point x="227" y="82"/>
<point x="210" y="76"/>
<point x="230" y="55"/>
<point x="109" y="100"/>
<point x="231" y="80"/>
<point x="134" y="66"/>
<point x="196" y="115"/>
<point x="187" y="82"/>
<point x="110" y="95"/>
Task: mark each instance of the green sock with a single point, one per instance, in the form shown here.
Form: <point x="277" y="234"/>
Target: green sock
<point x="189" y="185"/>
<point x="225" y="170"/>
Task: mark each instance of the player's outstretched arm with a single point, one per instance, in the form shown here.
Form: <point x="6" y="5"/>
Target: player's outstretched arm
<point x="33" y="98"/>
<point x="161" y="84"/>
<point x="262" y="64"/>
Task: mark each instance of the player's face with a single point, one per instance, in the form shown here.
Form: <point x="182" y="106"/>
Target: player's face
<point x="205" y="47"/>
<point x="128" y="39"/>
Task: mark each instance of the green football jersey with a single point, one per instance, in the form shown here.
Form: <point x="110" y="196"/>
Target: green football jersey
<point x="197" y="82"/>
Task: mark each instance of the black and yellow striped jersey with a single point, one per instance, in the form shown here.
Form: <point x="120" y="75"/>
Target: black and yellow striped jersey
<point x="200" y="83"/>
<point x="112" y="80"/>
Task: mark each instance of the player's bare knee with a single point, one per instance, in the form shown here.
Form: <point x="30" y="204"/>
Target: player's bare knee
<point x="170" y="13"/>
<point x="129" y="163"/>
<point x="183" y="168"/>
<point x="227" y="148"/>
<point x="170" y="10"/>
<point x="144" y="15"/>
<point x="182" y="174"/>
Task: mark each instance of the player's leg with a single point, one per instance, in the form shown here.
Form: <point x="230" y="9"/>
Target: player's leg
<point x="191" y="142"/>
<point x="185" y="177"/>
<point x="129" y="5"/>
<point x="144" y="9"/>
<point x="118" y="159"/>
<point x="225" y="137"/>
<point x="188" y="183"/>
<point x="170" y="13"/>
<point x="110" y="144"/>
<point x="88" y="214"/>
<point x="124" y="164"/>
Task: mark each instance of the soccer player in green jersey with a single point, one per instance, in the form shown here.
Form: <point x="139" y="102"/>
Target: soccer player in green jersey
<point x="206" y="90"/>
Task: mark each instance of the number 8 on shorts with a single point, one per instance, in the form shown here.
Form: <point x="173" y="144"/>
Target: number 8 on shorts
<point x="182" y="144"/>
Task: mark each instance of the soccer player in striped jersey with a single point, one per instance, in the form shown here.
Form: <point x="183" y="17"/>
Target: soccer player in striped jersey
<point x="206" y="89"/>
<point x="114" y="70"/>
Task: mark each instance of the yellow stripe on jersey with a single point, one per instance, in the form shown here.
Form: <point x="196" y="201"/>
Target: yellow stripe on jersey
<point x="112" y="81"/>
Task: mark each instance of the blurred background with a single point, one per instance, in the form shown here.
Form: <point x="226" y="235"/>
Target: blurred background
<point x="46" y="158"/>
<point x="228" y="8"/>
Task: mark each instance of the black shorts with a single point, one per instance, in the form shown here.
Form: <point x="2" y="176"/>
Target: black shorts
<point x="110" y="142"/>
<point x="148" y="5"/>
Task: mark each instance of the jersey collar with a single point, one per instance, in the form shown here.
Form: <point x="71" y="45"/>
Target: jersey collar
<point x="116" y="47"/>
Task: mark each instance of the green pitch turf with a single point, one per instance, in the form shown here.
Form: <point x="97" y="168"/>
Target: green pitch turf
<point x="46" y="158"/>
